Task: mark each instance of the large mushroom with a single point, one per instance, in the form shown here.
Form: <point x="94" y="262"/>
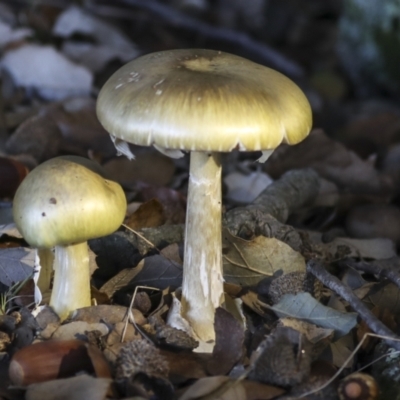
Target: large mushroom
<point x="62" y="203"/>
<point x="205" y="102"/>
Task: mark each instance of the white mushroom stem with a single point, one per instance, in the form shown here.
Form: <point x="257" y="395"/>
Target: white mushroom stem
<point x="202" y="287"/>
<point x="46" y="259"/>
<point x="71" y="288"/>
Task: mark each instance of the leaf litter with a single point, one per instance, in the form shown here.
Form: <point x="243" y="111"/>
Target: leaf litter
<point x="281" y="309"/>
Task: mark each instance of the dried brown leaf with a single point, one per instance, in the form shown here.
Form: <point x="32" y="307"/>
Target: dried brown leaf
<point x="159" y="272"/>
<point x="215" y="388"/>
<point x="248" y="262"/>
<point x="386" y="296"/>
<point x="261" y="391"/>
<point x="148" y="215"/>
<point x="81" y="386"/>
<point x="185" y="366"/>
<point x="122" y="279"/>
<point x="228" y="347"/>
<point x="173" y="202"/>
<point x="81" y="130"/>
<point x="334" y="162"/>
<point x="150" y="167"/>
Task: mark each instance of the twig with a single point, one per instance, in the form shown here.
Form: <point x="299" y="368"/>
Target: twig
<point x="270" y="210"/>
<point x="295" y="189"/>
<point x="152" y="245"/>
<point x="131" y="317"/>
<point x="317" y="269"/>
<point x="340" y="370"/>
<point x="255" y="49"/>
<point x="382" y="269"/>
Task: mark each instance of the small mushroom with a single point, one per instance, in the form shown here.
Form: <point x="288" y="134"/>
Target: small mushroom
<point x="205" y="102"/>
<point x="62" y="203"/>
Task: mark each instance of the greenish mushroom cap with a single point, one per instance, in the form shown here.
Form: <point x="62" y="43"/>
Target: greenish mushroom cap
<point x="203" y="100"/>
<point x="62" y="202"/>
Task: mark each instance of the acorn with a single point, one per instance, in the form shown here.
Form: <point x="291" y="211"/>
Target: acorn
<point x="358" y="386"/>
<point x="50" y="360"/>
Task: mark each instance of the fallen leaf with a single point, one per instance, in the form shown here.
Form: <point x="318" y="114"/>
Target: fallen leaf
<point x="385" y="316"/>
<point x="261" y="391"/>
<point x="375" y="249"/>
<point x="110" y="42"/>
<point x="10" y="230"/>
<point x="78" y="330"/>
<point x="81" y="130"/>
<point x="244" y="188"/>
<point x="304" y="306"/>
<point x="319" y="337"/>
<point x="148" y="215"/>
<point x="361" y="132"/>
<point x="149" y="166"/>
<point x="173" y="202"/>
<point x="385" y="296"/>
<point x="312" y="332"/>
<point x="81" y="386"/>
<point x="38" y="136"/>
<point x="341" y="350"/>
<point x="114" y="252"/>
<point x="9" y="34"/>
<point x="12" y="172"/>
<point x="251" y="300"/>
<point x="159" y="272"/>
<point x="109" y="314"/>
<point x="155" y="271"/>
<point x="334" y="162"/>
<point x="6" y="217"/>
<point x="248" y="262"/>
<point x="60" y="79"/>
<point x="215" y="388"/>
<point x="229" y="339"/>
<point x="186" y="366"/>
<point x="16" y="265"/>
<point x="61" y="358"/>
<point x="173" y="253"/>
<point x="120" y="280"/>
<point x="374" y="221"/>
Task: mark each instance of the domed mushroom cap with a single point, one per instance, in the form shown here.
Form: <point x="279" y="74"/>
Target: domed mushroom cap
<point x="62" y="202"/>
<point x="203" y="100"/>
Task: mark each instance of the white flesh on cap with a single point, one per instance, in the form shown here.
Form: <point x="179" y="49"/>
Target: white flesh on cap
<point x="202" y="287"/>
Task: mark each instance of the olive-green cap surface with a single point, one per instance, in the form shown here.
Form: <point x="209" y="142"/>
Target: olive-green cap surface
<point x="62" y="202"/>
<point x="203" y="100"/>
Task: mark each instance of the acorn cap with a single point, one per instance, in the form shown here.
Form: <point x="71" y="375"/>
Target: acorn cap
<point x="203" y="100"/>
<point x="358" y="386"/>
<point x="62" y="202"/>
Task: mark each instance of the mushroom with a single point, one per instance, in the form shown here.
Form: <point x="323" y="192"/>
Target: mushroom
<point x="205" y="102"/>
<point x="62" y="203"/>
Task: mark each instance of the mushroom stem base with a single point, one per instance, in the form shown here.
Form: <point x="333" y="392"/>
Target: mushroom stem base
<point x="71" y="289"/>
<point x="202" y="287"/>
